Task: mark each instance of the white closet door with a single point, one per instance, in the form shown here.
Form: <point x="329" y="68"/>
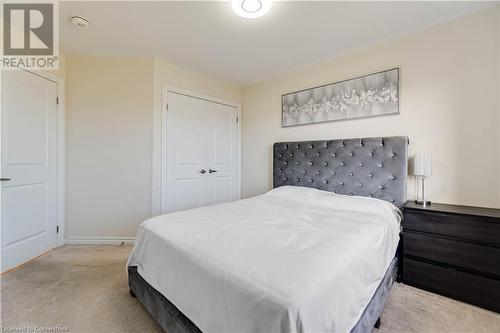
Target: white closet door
<point x="201" y="143"/>
<point x="29" y="159"/>
<point x="223" y="166"/>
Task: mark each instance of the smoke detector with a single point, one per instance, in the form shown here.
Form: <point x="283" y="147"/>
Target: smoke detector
<point x="80" y="22"/>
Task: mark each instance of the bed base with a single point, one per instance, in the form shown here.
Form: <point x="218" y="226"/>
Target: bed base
<point x="171" y="319"/>
<point x="174" y="321"/>
<point x="377" y="323"/>
<point x="373" y="311"/>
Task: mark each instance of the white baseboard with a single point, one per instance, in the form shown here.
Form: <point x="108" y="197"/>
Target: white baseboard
<point x="99" y="240"/>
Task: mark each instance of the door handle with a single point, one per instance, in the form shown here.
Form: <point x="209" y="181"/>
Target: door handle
<point x="202" y="171"/>
<point x="4" y="179"/>
<point x="211" y="170"/>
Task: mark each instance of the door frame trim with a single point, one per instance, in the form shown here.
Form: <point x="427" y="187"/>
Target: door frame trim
<point x="159" y="138"/>
<point x="61" y="155"/>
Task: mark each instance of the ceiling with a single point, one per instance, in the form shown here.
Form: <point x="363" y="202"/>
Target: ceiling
<point x="208" y="36"/>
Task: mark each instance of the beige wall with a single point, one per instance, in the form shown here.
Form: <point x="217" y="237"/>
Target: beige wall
<point x="498" y="81"/>
<point x="195" y="81"/>
<point x="61" y="71"/>
<point x="449" y="107"/>
<point x="111" y="104"/>
<point x="109" y="123"/>
<point x="450" y="95"/>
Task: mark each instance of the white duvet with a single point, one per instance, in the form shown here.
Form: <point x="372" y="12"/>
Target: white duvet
<point x="292" y="260"/>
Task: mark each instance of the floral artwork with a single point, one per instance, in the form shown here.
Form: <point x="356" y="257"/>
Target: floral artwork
<point x="370" y="95"/>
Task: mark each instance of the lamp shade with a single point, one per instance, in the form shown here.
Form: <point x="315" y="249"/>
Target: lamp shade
<point x="422" y="165"/>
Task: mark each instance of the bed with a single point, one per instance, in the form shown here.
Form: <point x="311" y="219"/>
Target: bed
<point x="318" y="253"/>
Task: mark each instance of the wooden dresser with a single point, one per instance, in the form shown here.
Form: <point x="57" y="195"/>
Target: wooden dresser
<point x="453" y="251"/>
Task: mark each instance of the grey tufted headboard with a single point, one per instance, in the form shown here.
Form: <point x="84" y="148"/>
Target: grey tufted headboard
<point x="374" y="167"/>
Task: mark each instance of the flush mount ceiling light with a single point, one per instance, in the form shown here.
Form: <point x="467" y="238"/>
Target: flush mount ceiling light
<point x="80" y="22"/>
<point x="251" y="8"/>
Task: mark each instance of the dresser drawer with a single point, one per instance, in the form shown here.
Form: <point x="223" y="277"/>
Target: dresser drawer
<point x="481" y="291"/>
<point x="453" y="253"/>
<point x="475" y="228"/>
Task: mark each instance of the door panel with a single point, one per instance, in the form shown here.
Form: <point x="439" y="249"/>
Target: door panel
<point x="33" y="196"/>
<point x="188" y="133"/>
<point x="201" y="145"/>
<point x="224" y="159"/>
<point x="223" y="189"/>
<point x="25" y="137"/>
<point x="223" y="137"/>
<point x="187" y="194"/>
<point x="186" y="153"/>
<point x="29" y="158"/>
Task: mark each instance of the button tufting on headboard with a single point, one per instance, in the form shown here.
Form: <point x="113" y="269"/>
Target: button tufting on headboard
<point x="372" y="167"/>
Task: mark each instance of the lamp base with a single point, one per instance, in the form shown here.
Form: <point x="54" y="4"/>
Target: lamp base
<point x="423" y="203"/>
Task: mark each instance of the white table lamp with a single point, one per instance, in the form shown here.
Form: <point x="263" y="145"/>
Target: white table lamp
<point x="422" y="168"/>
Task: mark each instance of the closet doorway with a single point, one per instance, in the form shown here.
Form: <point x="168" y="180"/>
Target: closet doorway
<point x="201" y="151"/>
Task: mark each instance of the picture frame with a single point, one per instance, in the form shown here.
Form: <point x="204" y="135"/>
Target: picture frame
<point x="369" y="95"/>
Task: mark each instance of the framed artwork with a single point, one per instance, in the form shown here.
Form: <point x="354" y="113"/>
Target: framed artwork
<point x="366" y="96"/>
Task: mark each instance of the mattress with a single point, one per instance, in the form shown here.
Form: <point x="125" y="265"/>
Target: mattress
<point x="292" y="260"/>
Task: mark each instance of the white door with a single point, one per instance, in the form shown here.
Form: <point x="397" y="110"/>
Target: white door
<point x="201" y="153"/>
<point x="29" y="160"/>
